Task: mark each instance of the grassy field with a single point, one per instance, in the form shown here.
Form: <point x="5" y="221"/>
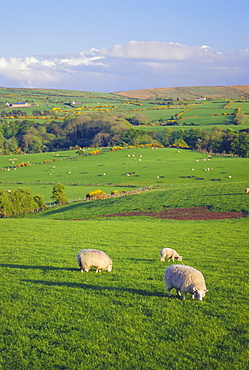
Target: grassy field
<point x="163" y="168"/>
<point x="156" y="106"/>
<point x="54" y="317"/>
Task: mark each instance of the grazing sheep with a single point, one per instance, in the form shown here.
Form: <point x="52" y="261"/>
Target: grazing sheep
<point x="247" y="190"/>
<point x="185" y="279"/>
<point x="170" y="254"/>
<point x="88" y="258"/>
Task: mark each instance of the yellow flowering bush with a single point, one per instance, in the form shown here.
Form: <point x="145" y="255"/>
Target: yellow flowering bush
<point x="114" y="192"/>
<point x="94" y="152"/>
<point x="22" y="164"/>
<point x="96" y="194"/>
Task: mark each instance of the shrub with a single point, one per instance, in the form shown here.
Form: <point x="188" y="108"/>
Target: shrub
<point x="114" y="192"/>
<point x="96" y="194"/>
<point x="94" y="152"/>
<point x="58" y="194"/>
<point x="22" y="164"/>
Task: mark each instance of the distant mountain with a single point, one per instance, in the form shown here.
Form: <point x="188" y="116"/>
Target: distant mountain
<point x="190" y="93"/>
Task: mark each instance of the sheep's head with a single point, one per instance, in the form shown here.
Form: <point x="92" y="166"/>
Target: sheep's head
<point x="199" y="294"/>
<point x="110" y="267"/>
<point x="179" y="258"/>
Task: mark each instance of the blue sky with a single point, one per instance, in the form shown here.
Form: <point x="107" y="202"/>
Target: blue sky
<point x="107" y="45"/>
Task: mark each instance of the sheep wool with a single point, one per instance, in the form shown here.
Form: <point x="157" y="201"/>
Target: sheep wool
<point x="170" y="254"/>
<point x="185" y="279"/>
<point x="88" y="258"/>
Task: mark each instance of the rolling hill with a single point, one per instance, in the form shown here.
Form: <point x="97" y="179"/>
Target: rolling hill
<point x="189" y="93"/>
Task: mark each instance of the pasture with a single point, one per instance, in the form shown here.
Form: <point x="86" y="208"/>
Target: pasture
<point x="158" y="105"/>
<point x="184" y="175"/>
<point x="54" y="317"/>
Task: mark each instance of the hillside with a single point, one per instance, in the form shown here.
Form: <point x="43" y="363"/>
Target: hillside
<point x="189" y="93"/>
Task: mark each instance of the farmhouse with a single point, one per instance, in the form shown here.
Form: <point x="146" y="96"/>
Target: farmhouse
<point x="18" y="105"/>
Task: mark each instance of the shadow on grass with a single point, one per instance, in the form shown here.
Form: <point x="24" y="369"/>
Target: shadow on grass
<point x="217" y="195"/>
<point x="62" y="209"/>
<point x="44" y="268"/>
<point x="97" y="287"/>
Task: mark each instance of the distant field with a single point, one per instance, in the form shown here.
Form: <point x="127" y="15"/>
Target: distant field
<point x="179" y="178"/>
<point x="156" y="104"/>
<point x="190" y="93"/>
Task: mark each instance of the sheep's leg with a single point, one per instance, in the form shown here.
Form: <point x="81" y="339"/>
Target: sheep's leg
<point x="179" y="293"/>
<point x="184" y="296"/>
<point x="169" y="289"/>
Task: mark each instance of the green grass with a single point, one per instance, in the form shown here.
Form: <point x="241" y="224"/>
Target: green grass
<point x="54" y="317"/>
<point x="163" y="168"/>
<point x="215" y="197"/>
<point x="58" y="102"/>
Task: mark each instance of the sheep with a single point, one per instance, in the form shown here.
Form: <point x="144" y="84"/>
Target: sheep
<point x="185" y="279"/>
<point x="88" y="258"/>
<point x="247" y="190"/>
<point x="170" y="254"/>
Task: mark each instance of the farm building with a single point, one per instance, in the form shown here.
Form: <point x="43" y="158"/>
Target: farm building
<point x="18" y="105"/>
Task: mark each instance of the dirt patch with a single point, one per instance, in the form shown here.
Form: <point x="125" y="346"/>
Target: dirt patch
<point x="195" y="213"/>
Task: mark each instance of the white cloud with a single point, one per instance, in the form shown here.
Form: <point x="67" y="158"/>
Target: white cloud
<point x="133" y="66"/>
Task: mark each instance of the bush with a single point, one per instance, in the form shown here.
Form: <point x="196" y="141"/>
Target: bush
<point x="58" y="194"/>
<point x="96" y="194"/>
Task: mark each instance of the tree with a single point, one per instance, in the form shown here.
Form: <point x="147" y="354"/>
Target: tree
<point x="167" y="136"/>
<point x="39" y="199"/>
<point x="16" y="202"/>
<point x="181" y="143"/>
<point x="240" y="144"/>
<point x="239" y="118"/>
<point x="32" y="143"/>
<point x="58" y="194"/>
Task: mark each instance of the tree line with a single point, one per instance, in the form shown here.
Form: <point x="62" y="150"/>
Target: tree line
<point x="21" y="201"/>
<point x="100" y="130"/>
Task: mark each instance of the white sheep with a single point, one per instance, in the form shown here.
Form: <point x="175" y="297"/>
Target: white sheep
<point x="185" y="279"/>
<point x="170" y="254"/>
<point x="88" y="258"/>
<point x="247" y="190"/>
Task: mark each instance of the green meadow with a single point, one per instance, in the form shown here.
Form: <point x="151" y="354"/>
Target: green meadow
<point x="55" y="317"/>
<point x="179" y="176"/>
<point x="56" y="105"/>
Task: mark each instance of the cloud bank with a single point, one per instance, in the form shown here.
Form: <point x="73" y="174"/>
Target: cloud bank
<point x="137" y="65"/>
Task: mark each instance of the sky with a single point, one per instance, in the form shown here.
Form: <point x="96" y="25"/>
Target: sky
<point x="110" y="45"/>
